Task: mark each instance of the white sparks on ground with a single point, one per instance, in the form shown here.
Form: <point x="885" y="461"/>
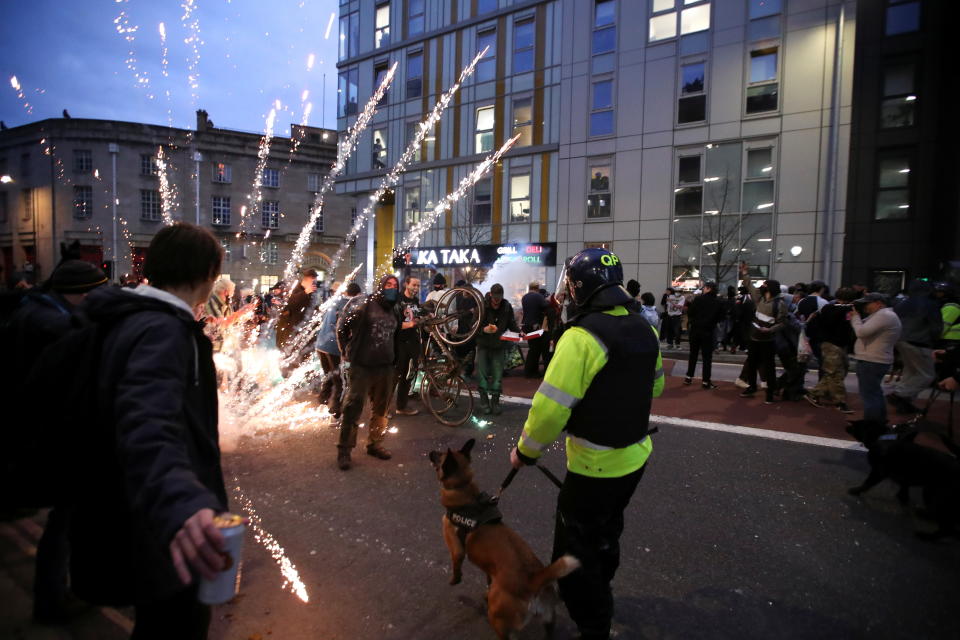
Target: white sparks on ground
<point x="291" y="577"/>
<point x="345" y="148"/>
<point x="391" y="179"/>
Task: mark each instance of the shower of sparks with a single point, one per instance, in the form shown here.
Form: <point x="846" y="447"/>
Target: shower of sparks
<point x="128" y="33"/>
<point x="263" y="154"/>
<point x="167" y="192"/>
<point x="415" y="234"/>
<point x="193" y="41"/>
<point x="345" y="148"/>
<point x="291" y="577"/>
<point x="391" y="179"/>
<point x="326" y="35"/>
<point x="16" y="87"/>
<point x="163" y="50"/>
<point x="310" y="60"/>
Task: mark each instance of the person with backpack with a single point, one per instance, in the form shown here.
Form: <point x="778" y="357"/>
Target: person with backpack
<point x="830" y="328"/>
<point x="45" y="315"/>
<point x="149" y="479"/>
<point x="769" y="316"/>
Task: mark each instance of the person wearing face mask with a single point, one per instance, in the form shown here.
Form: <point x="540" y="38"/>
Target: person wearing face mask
<point x="439" y="288"/>
<point x="497" y="318"/>
<point x="367" y="334"/>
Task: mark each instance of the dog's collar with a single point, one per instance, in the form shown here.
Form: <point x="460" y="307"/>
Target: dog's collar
<point x="468" y="517"/>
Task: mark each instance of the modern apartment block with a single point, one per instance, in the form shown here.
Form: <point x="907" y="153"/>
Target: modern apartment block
<point x="903" y="203"/>
<point x="98" y="182"/>
<point x="686" y="135"/>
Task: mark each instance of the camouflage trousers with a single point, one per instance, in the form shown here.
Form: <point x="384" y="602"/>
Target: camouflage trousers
<point x="834" y="364"/>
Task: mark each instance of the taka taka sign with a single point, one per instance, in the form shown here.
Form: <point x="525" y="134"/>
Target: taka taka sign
<point x="484" y="255"/>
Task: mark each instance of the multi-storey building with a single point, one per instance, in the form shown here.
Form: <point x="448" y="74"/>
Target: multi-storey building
<point x="902" y="205"/>
<point x="99" y="182"/>
<point x="686" y="135"/>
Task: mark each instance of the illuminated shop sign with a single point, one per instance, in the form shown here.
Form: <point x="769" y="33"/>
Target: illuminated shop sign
<point x="484" y="255"/>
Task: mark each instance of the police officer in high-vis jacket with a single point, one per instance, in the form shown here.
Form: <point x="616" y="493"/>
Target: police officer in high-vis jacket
<point x="605" y="371"/>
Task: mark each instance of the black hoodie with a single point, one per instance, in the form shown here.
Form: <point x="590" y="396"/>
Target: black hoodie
<point x="157" y="457"/>
<point x="368" y="329"/>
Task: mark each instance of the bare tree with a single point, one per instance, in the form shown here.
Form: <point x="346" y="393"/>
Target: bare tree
<point x="465" y="231"/>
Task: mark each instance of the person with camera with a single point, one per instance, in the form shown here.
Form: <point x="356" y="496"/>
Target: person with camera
<point x="878" y="329"/>
<point x="831" y="329"/>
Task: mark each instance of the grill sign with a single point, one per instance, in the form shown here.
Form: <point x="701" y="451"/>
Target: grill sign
<point x="485" y="255"/>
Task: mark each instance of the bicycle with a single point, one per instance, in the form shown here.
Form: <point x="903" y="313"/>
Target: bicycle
<point x="443" y="390"/>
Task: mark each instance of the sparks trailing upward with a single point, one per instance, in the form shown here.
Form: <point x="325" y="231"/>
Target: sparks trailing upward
<point x="345" y="148"/>
<point x="167" y="195"/>
<point x="263" y="154"/>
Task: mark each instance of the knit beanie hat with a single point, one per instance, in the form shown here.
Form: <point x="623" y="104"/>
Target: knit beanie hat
<point x="439" y="279"/>
<point x="76" y="276"/>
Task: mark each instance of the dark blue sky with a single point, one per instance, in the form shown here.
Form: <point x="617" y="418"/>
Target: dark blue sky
<point x="253" y="52"/>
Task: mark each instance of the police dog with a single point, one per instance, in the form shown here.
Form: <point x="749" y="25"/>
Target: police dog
<point x="893" y="454"/>
<point x="519" y="587"/>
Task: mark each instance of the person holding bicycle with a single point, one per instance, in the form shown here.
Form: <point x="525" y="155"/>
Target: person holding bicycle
<point x="408" y="344"/>
<point x="497" y="318"/>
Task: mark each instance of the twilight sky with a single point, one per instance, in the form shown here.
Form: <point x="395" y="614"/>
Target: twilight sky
<point x="69" y="54"/>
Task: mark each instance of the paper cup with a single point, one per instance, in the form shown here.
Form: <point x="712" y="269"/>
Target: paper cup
<point x="227" y="583"/>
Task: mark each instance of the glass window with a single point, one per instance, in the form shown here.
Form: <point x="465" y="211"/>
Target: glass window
<point x="486" y="6"/>
<point x="379" y="159"/>
<point x="270" y="214"/>
<point x="692" y="104"/>
<point x="379" y="73"/>
<point x="414" y="74"/>
<point x="761" y="8"/>
<point x="604" y="29"/>
<point x="318" y="224"/>
<point x="82" y="161"/>
<point x="663" y="5"/>
<point x="415" y="18"/>
<point x="688" y="170"/>
<point x="148" y="165"/>
<point x="523" y="121"/>
<point x="601" y="116"/>
<point x="411" y="135"/>
<point x="349" y="35"/>
<point x="220" y="210"/>
<point x="347" y="92"/>
<point x="222" y="172"/>
<point x="763" y="89"/>
<point x="893" y="188"/>
<point x="82" y="201"/>
<point x="271" y="178"/>
<point x="663" y="27"/>
<point x="899" y="104"/>
<point x="902" y="17"/>
<point x="381" y="36"/>
<point x="313" y="182"/>
<point x="758" y="196"/>
<point x="520" y="198"/>
<point x="695" y="19"/>
<point x="482" y="201"/>
<point x="523" y="36"/>
<point x="760" y="163"/>
<point x="411" y="206"/>
<point x="688" y="195"/>
<point x="484" y="129"/>
<point x="763" y="65"/>
<point x="599" y="194"/>
<point x="227" y="249"/>
<point x="487" y="67"/>
<point x="269" y="252"/>
<point x="150" y="205"/>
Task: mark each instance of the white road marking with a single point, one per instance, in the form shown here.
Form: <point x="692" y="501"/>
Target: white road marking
<point x="820" y="441"/>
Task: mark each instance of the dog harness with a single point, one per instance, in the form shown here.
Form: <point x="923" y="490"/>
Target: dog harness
<point x="470" y="516"/>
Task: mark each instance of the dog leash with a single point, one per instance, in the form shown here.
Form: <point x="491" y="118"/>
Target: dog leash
<point x="513" y="473"/>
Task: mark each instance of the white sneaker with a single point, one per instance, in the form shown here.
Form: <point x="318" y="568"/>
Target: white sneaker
<point x="740" y="382"/>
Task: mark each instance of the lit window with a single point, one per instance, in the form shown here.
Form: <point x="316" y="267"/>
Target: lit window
<point x="414" y="74"/>
<point x="411" y="206"/>
<point x="82" y="201"/>
<point x="898" y="108"/>
<point x="484" y="129"/>
<point x="692" y="104"/>
<point x="758" y="183"/>
<point x="349" y="35"/>
<point x="381" y="36"/>
<point x="601" y="108"/>
<point x="599" y="195"/>
<point x="271" y="178"/>
<point x="487" y="67"/>
<point x="222" y="172"/>
<point x="695" y="19"/>
<point x="482" y="201"/>
<point x="902" y="16"/>
<point x="270" y="214"/>
<point x="220" y="210"/>
<point x="150" y="205"/>
<point x="893" y="188"/>
<point x="379" y="152"/>
<point x="523" y="121"/>
<point x="523" y="37"/>
<point x="82" y="161"/>
<point x="520" y="198"/>
<point x="415" y="17"/>
<point x="763" y="87"/>
<point x="692" y="15"/>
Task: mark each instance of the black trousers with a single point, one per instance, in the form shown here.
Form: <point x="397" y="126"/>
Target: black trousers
<point x="760" y="357"/>
<point x="53" y="563"/>
<point x="701" y="344"/>
<point x="181" y="616"/>
<point x="408" y="355"/>
<point x="377" y="383"/>
<point x="588" y="527"/>
<point x="331" y="390"/>
<point x="537" y="349"/>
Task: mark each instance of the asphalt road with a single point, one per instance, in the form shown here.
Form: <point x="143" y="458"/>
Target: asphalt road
<point x="728" y="536"/>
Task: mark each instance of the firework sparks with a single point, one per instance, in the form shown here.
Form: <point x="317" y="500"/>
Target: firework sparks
<point x="344" y="150"/>
<point x="193" y="41"/>
<point x="128" y="33"/>
<point x="263" y="154"/>
<point x="326" y="35"/>
<point x="15" y="83"/>
<point x="391" y="179"/>
<point x="163" y="50"/>
<point x="167" y="192"/>
<point x="310" y="60"/>
<point x="291" y="577"/>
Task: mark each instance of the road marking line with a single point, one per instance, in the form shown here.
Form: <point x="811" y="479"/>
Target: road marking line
<point x="835" y="443"/>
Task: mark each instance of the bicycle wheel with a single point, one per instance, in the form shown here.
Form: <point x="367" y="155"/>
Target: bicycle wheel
<point x="457" y="318"/>
<point x="449" y="399"/>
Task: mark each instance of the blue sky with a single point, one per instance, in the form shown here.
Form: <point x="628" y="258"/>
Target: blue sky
<point x="253" y="53"/>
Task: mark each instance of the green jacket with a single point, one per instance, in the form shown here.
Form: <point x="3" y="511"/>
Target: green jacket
<point x="950" y="313"/>
<point x="578" y="357"/>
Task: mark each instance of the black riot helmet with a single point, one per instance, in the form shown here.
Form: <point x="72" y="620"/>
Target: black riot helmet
<point x="594" y="278"/>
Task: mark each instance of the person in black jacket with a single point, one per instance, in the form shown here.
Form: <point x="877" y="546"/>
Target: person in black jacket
<point x="300" y="303"/>
<point x="704" y="313"/>
<point x="831" y="329"/>
<point x="497" y="318"/>
<point x="535" y="310"/>
<point x="143" y="526"/>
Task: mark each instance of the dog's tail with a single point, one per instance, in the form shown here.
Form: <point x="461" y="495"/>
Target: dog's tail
<point x="560" y="567"/>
